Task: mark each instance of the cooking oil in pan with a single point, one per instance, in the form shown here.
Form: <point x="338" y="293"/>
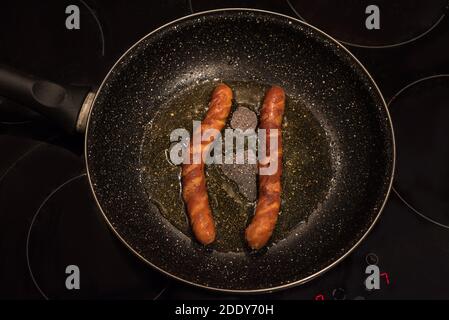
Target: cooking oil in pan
<point x="307" y="166"/>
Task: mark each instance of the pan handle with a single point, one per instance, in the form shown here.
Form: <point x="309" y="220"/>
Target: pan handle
<point x="61" y="104"/>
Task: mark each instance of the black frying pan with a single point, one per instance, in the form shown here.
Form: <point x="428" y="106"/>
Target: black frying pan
<point x="345" y="148"/>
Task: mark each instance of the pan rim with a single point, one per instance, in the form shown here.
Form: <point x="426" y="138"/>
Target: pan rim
<point x="260" y="290"/>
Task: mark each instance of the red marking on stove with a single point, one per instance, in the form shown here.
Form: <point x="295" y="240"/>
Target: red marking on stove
<point x="319" y="297"/>
<point x="387" y="278"/>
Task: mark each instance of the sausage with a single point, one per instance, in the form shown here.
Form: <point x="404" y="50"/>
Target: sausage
<point x="193" y="177"/>
<point x="262" y="225"/>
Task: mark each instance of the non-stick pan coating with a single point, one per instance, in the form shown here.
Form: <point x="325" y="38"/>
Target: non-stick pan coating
<point x="242" y="45"/>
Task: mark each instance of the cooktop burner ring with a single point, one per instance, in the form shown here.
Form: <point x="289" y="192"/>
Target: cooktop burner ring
<point x="100" y="27"/>
<point x="13" y="123"/>
<point x="160" y="289"/>
<point x="418" y="212"/>
<point x="358" y="45"/>
<point x="50" y="195"/>
<point x="399" y="194"/>
<point x="26" y="153"/>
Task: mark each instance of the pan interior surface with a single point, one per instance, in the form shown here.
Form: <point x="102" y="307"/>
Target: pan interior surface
<point x="308" y="170"/>
<point x="349" y="129"/>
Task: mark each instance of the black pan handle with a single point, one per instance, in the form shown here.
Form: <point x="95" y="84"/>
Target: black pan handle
<point x="61" y="104"/>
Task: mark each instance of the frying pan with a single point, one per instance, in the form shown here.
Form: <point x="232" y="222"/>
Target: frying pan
<point x="250" y="46"/>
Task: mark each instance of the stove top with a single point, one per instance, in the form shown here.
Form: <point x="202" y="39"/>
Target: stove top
<point x="45" y="198"/>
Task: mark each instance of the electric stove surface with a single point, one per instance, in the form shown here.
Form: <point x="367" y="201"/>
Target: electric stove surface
<point x="49" y="219"/>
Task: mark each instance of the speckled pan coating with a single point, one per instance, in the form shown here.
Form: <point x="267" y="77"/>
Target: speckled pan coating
<point x="255" y="46"/>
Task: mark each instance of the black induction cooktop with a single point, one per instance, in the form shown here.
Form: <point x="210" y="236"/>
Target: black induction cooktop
<point x="45" y="199"/>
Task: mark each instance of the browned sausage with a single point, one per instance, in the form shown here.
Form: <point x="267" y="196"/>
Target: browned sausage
<point x="194" y="190"/>
<point x="269" y="200"/>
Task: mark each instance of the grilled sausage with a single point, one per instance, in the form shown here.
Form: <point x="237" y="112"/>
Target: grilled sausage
<point x="262" y="225"/>
<point x="193" y="177"/>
